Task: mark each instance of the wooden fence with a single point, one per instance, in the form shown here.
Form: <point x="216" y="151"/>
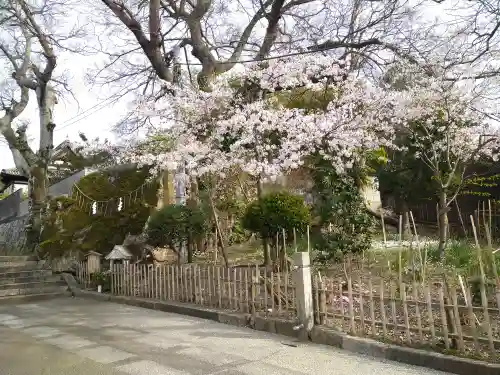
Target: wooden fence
<point x="433" y="314"/>
<point x="243" y="289"/>
<point x="82" y="275"/>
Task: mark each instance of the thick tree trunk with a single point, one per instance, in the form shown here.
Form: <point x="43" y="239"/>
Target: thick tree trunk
<point x="38" y="185"/>
<point x="37" y="196"/>
<point x="443" y="222"/>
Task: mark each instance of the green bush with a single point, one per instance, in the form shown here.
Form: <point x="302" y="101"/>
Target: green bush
<point x="344" y="223"/>
<point x="69" y="227"/>
<point x="175" y="224"/>
<point x="275" y="212"/>
<point x="103" y="279"/>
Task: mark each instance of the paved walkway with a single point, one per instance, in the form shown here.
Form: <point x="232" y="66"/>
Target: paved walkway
<point x="82" y="337"/>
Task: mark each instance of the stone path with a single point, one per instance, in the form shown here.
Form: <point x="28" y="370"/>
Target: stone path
<point x="72" y="336"/>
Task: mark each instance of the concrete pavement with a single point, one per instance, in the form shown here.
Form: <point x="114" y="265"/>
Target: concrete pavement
<point x="82" y="337"/>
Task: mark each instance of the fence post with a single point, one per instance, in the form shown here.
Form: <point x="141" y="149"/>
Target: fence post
<point x="303" y="285"/>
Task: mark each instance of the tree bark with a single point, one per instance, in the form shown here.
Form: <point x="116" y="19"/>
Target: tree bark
<point x="220" y="239"/>
<point x="443" y="221"/>
<point x="38" y="184"/>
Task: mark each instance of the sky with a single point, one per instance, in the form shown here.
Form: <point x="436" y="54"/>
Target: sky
<point x="91" y="114"/>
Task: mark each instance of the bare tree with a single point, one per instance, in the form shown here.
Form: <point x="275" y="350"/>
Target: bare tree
<point x="28" y="47"/>
<point x="219" y="34"/>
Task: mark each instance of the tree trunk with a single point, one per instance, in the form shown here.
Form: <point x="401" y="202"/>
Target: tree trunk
<point x="219" y="240"/>
<point x="265" y="242"/>
<point x="37" y="196"/>
<point x="38" y="188"/>
<point x="443" y="222"/>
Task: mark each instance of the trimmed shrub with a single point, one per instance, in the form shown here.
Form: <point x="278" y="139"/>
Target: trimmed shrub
<point x="275" y="212"/>
<point x="175" y="224"/>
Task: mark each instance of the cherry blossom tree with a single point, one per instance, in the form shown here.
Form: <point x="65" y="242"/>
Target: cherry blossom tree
<point x="445" y="131"/>
<point x="267" y="120"/>
<point x="253" y="119"/>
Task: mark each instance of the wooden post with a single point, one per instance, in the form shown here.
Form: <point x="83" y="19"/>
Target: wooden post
<point x="304" y="292"/>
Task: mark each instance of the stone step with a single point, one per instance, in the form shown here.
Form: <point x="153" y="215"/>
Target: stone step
<point x="42" y="289"/>
<point x="25" y="273"/>
<point x="16" y="267"/>
<point x="17" y="259"/>
<point x="29" y="278"/>
<point x="24" y="298"/>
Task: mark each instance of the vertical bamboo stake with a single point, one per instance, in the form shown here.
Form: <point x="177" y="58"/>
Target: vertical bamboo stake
<point x="216" y="251"/>
<point x="162" y="281"/>
<point x="423" y="260"/>
<point x="247" y="295"/>
<point x="235" y="290"/>
<point x="265" y="290"/>
<point x="485" y="223"/>
<point x="351" y="307"/>
<point x="472" y="321"/>
<point x="219" y="286"/>
<point x="273" y="288"/>
<point x="159" y="273"/>
<point x="157" y="282"/>
<point x="201" y="286"/>
<point x="342" y="314"/>
<point x="131" y="278"/>
<point x="456" y="312"/>
<point x="417" y="311"/>
<point x="255" y="280"/>
<point x="171" y="288"/>
<point x="372" y="305"/>
<point x="178" y="281"/>
<point x="400" y="250"/>
<point x="209" y="285"/>
<point x="167" y="282"/>
<point x="283" y="263"/>
<point x="478" y="249"/>
<point x="361" y="305"/>
<point x="229" y="288"/>
<point x="460" y="218"/>
<point x="317" y="314"/>
<point x="405" y="311"/>
<point x="382" y="308"/>
<point x="286" y="278"/>
<point x="258" y="281"/>
<point x="383" y="227"/>
<point x="489" y="221"/>
<point x="487" y="322"/>
<point x="443" y="317"/>
<point x="393" y="307"/>
<point x="118" y="278"/>
<point x="279" y="291"/>
<point x="427" y="291"/>
<point x="112" y="268"/>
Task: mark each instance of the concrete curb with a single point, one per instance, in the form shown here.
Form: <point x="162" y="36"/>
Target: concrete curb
<point x="318" y="335"/>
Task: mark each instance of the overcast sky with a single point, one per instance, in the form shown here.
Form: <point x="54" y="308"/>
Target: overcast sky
<point x="92" y="115"/>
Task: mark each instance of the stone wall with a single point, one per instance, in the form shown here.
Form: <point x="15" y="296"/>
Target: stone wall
<point x="9" y="206"/>
<point x="13" y="236"/>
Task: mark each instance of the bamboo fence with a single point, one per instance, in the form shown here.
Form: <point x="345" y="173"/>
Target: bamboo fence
<point x="254" y="290"/>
